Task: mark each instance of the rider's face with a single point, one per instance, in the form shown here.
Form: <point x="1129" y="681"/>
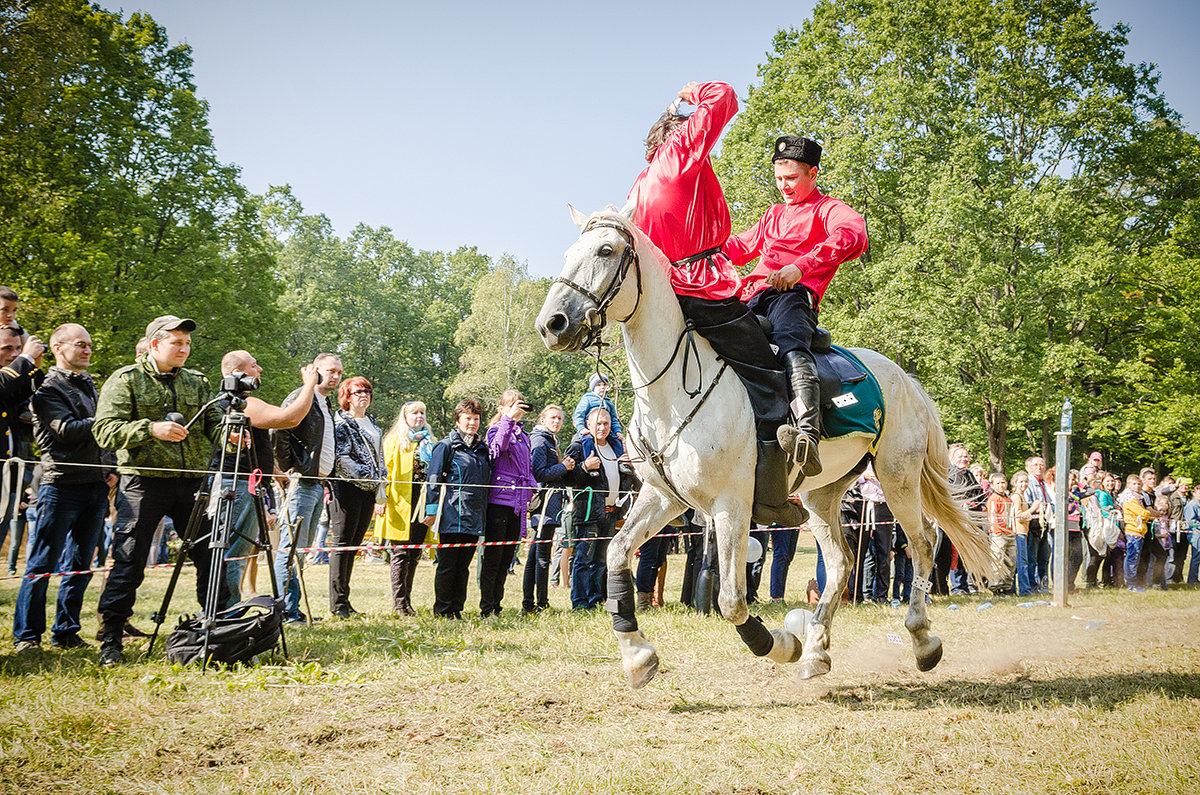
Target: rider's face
<point x="794" y="179"/>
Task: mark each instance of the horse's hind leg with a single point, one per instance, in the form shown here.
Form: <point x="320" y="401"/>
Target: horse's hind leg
<point x="650" y="512"/>
<point x="825" y="522"/>
<point x="732" y="535"/>
<point x="926" y="647"/>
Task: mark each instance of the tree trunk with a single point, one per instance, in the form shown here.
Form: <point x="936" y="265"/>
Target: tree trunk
<point x="995" y="421"/>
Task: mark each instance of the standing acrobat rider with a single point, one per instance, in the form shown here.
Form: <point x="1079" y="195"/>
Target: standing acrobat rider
<point x="801" y="243"/>
<point x="682" y="209"/>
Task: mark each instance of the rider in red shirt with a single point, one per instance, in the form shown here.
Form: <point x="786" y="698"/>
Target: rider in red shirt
<point x="801" y="244"/>
<point x="682" y="209"/>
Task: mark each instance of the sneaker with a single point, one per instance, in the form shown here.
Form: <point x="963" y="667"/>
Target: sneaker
<point x="72" y="641"/>
<point x="111" y="654"/>
<point x="295" y="618"/>
<point x="23" y="646"/>
<point x="1137" y="589"/>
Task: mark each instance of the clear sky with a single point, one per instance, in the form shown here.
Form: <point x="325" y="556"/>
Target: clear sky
<point x="474" y="123"/>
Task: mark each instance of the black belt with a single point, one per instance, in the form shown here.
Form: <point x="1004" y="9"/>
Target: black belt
<point x="706" y="254"/>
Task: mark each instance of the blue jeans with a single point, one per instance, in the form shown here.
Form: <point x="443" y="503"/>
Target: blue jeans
<point x="589" y="567"/>
<point x="69" y="518"/>
<point x="1194" y="569"/>
<point x="783" y="549"/>
<point x="303" y="513"/>
<point x="241" y="540"/>
<point x="1133" y="553"/>
<point x="1024" y="581"/>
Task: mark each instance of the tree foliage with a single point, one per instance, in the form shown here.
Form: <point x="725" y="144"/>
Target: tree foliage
<point x="1020" y="181"/>
<point x="114" y="207"/>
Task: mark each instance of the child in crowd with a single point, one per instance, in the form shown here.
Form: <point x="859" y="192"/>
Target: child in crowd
<point x="1004" y="544"/>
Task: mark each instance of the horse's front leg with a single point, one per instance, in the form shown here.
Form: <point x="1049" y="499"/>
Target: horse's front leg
<point x="826" y="525"/>
<point x="733" y="531"/>
<point x="650" y="513"/>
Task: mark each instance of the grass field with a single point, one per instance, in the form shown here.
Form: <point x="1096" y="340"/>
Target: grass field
<point x="1025" y="700"/>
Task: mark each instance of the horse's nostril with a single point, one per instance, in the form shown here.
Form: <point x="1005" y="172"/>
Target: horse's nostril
<point x="558" y="323"/>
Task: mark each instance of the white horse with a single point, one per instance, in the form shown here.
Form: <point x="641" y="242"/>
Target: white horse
<point x="692" y="433"/>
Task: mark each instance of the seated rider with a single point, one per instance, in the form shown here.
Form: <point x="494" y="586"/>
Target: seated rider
<point x="801" y="244"/>
<point x="682" y="209"/>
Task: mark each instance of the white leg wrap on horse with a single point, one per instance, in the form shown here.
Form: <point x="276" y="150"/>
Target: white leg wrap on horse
<point x="787" y="648"/>
<point x="638" y="657"/>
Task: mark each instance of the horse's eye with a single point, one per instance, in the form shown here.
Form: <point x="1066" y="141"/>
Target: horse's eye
<point x="606" y="250"/>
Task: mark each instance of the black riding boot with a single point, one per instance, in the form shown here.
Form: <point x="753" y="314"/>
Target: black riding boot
<point x="800" y="441"/>
<point x="771" y="506"/>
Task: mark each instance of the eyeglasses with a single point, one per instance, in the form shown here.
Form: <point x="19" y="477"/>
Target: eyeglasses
<point x="361" y="392"/>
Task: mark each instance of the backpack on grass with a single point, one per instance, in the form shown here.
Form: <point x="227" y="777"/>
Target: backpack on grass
<point x="239" y="634"/>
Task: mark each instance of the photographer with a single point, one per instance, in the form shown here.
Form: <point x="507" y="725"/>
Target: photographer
<point x="240" y="366"/>
<point x="512" y="487"/>
<point x="161" y="462"/>
<point x="308" y="450"/>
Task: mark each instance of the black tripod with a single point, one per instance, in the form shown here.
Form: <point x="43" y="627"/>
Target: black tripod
<point x="222" y="530"/>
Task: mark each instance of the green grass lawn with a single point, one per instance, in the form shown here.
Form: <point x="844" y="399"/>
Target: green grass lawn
<point x="1025" y="700"/>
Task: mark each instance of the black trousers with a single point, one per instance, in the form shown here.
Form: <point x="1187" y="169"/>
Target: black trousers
<point x="350" y="513"/>
<point x="537" y="570"/>
<point x="502" y="525"/>
<point x="453" y="572"/>
<point x="146" y="501"/>
<point x="793" y="318"/>
<point x="735" y="334"/>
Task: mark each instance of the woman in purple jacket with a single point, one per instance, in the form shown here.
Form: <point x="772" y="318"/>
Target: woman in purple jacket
<point x="511" y="490"/>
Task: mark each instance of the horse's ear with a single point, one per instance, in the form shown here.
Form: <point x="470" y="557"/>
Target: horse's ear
<point x="629" y="209"/>
<point x="579" y="218"/>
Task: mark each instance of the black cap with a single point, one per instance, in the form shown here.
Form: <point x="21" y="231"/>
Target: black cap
<point x="794" y="147"/>
<point x="169" y="323"/>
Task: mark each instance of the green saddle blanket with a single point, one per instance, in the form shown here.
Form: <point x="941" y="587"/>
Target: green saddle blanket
<point x="857" y="409"/>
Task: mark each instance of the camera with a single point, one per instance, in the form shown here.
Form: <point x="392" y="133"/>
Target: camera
<point x="524" y="406"/>
<point x="238" y="382"/>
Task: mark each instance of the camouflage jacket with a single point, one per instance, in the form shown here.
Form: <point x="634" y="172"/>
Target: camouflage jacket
<point x="136" y="396"/>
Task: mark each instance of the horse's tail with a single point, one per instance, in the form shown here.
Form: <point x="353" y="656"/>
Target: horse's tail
<point x="965" y="529"/>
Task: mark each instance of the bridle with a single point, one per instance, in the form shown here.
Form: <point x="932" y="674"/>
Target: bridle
<point x="601" y="302"/>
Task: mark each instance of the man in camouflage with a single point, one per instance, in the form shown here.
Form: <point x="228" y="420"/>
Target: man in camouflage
<point x="161" y="463"/>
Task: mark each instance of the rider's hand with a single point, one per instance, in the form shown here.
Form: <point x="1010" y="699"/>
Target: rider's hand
<point x="785" y="278"/>
<point x="688" y="91"/>
<point x="168" y="431"/>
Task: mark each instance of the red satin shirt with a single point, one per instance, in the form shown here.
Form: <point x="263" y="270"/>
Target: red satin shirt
<point x="680" y="204"/>
<point x="816" y="234"/>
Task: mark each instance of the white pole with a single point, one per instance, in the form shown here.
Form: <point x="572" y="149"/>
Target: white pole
<point x="1062" y="469"/>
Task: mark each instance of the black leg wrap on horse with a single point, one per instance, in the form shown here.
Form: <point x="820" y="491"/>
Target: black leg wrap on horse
<point x="621" y="601"/>
<point x="756" y="636"/>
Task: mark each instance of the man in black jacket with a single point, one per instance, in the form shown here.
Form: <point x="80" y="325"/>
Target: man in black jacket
<point x="306" y="450"/>
<point x="73" y="497"/>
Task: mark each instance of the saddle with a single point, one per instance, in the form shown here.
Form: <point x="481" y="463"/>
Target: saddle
<point x="838" y="372"/>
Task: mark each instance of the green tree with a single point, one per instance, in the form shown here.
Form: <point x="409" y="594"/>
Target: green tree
<point x="1015" y="172"/>
<point x="388" y="311"/>
<point x="114" y="207"/>
<point x="502" y="349"/>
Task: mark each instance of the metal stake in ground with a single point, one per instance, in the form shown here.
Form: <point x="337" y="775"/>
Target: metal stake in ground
<point x="1062" y="472"/>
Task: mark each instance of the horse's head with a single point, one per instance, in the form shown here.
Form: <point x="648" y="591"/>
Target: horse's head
<point x="601" y="280"/>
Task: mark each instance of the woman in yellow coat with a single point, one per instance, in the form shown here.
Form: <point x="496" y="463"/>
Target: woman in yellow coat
<point x="406" y="449"/>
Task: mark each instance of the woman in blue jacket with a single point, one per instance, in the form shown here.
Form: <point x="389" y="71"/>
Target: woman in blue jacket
<point x="459" y="473"/>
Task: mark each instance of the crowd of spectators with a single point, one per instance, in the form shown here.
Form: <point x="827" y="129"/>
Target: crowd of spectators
<point x="122" y="464"/>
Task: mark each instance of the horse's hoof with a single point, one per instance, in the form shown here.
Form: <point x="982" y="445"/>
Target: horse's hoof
<point x="814" y="667"/>
<point x="640" y="673"/>
<point x="638" y="658"/>
<point x="787" y="648"/>
<point x="928" y="660"/>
